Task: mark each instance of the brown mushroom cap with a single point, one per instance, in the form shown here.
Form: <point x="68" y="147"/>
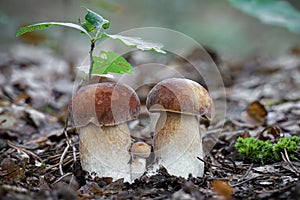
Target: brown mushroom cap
<point x="180" y="95"/>
<point x="100" y="79"/>
<point x="104" y="104"/>
<point x="141" y="149"/>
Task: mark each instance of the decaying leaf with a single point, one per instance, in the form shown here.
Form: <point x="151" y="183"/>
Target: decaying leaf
<point x="256" y="114"/>
<point x="24" y="121"/>
<point x="10" y="171"/>
<point x="222" y="188"/>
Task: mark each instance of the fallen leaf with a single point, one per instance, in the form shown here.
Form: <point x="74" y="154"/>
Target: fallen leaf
<point x="269" y="133"/>
<point x="256" y="114"/>
<point x="222" y="188"/>
<point x="10" y="171"/>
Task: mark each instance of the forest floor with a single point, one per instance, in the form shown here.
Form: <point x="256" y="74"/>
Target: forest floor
<point x="37" y="161"/>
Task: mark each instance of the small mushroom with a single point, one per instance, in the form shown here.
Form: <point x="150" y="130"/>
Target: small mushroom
<point x="140" y="151"/>
<point x="177" y="139"/>
<point x="100" y="112"/>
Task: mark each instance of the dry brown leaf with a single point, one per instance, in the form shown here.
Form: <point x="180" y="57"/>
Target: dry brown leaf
<point x="257" y="111"/>
<point x="10" y="171"/>
<point x="269" y="133"/>
<point x="222" y="188"/>
<point x="256" y="114"/>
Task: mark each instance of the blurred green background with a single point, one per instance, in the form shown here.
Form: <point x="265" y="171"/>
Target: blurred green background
<point x="215" y="24"/>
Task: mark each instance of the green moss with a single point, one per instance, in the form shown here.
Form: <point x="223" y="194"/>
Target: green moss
<point x="259" y="151"/>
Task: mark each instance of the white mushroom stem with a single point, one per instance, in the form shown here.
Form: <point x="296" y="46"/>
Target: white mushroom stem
<point x="178" y="143"/>
<point x="105" y="150"/>
<point x="138" y="167"/>
<point x="140" y="151"/>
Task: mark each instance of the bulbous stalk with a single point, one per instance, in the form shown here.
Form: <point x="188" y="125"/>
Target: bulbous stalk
<point x="178" y="143"/>
<point x="104" y="150"/>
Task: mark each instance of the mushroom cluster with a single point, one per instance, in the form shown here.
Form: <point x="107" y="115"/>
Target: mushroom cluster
<point x="100" y="113"/>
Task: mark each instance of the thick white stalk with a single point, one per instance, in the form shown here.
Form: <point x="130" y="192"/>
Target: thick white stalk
<point x="178" y="143"/>
<point x="138" y="167"/>
<point x="105" y="150"/>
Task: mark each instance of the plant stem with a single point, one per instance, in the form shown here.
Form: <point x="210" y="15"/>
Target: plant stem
<point x="91" y="60"/>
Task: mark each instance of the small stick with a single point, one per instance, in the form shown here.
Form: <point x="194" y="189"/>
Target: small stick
<point x="68" y="139"/>
<point x="278" y="190"/>
<point x="244" y="181"/>
<point x="61" y="161"/>
<point x="63" y="176"/>
<point x="69" y="144"/>
<point x="248" y="171"/>
<point x="234" y="165"/>
<point x="221" y="167"/>
<point x="286" y="158"/>
<point x="66" y="162"/>
<point x="23" y="150"/>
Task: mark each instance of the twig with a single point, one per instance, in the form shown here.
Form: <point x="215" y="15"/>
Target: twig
<point x="68" y="139"/>
<point x="63" y="176"/>
<point x="61" y="160"/>
<point x="23" y="150"/>
<point x="242" y="124"/>
<point x="276" y="190"/>
<point x="248" y="171"/>
<point x="69" y="144"/>
<point x="52" y="158"/>
<point x="234" y="165"/>
<point x="245" y="181"/>
<point x="217" y="178"/>
<point x="55" y="158"/>
<point x="65" y="162"/>
<point x="221" y="167"/>
<point x="286" y="158"/>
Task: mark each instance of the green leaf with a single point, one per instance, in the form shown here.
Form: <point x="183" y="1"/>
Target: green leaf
<point x="109" y="61"/>
<point x="88" y="27"/>
<point x="95" y="21"/>
<point x="274" y="12"/>
<point x="44" y="25"/>
<point x="138" y="43"/>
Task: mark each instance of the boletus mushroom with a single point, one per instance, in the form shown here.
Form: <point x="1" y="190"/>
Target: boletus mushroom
<point x="100" y="112"/>
<point x="177" y="139"/>
<point x="140" y="151"/>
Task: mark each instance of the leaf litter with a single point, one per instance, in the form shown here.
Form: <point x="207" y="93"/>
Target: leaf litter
<point x="263" y="102"/>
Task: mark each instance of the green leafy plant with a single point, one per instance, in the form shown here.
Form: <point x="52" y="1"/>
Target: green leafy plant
<point x="93" y="27"/>
<point x="259" y="151"/>
<point x="274" y="12"/>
